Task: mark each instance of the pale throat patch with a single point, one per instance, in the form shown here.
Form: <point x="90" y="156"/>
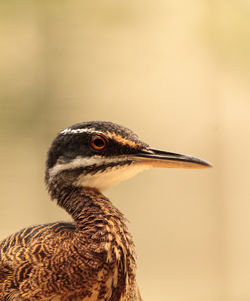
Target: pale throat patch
<point x="102" y="179"/>
<point x="110" y="177"/>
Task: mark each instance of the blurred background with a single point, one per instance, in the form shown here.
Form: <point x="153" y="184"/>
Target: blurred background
<point x="177" y="73"/>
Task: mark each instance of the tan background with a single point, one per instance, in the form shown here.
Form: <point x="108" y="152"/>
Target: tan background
<point x="177" y="73"/>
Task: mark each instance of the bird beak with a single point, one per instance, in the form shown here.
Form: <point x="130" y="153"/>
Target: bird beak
<point x="163" y="159"/>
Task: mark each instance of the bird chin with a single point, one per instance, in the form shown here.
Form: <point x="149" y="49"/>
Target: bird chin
<point x="110" y="177"/>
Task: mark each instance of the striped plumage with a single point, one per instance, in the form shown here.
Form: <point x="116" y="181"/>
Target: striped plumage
<point x="45" y="260"/>
<point x="91" y="258"/>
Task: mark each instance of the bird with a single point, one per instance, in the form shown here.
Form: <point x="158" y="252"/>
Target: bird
<point x="93" y="257"/>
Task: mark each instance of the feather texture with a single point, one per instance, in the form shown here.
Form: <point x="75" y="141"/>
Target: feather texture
<point x="90" y="259"/>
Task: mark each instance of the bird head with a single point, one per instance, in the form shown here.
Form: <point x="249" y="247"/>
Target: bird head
<point x="101" y="154"/>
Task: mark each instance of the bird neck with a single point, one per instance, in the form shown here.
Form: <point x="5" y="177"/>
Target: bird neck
<point x="85" y="202"/>
<point x="102" y="225"/>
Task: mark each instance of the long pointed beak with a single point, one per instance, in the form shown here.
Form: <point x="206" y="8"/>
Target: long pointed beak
<point x="163" y="159"/>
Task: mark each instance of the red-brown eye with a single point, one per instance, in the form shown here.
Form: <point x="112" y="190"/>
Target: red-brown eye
<point x="98" y="142"/>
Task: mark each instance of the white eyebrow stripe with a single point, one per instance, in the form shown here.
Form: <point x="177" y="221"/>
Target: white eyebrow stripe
<point x="78" y="131"/>
<point x="113" y="136"/>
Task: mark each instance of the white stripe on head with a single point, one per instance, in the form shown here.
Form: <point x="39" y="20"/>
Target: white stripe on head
<point x="78" y="131"/>
<point x="117" y="137"/>
<point x="82" y="162"/>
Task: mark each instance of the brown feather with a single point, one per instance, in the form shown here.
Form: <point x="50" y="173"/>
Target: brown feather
<point x="90" y="259"/>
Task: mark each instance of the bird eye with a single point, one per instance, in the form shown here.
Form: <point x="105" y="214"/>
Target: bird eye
<point x="98" y="143"/>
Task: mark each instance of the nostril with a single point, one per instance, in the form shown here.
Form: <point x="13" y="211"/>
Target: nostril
<point x="147" y="151"/>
